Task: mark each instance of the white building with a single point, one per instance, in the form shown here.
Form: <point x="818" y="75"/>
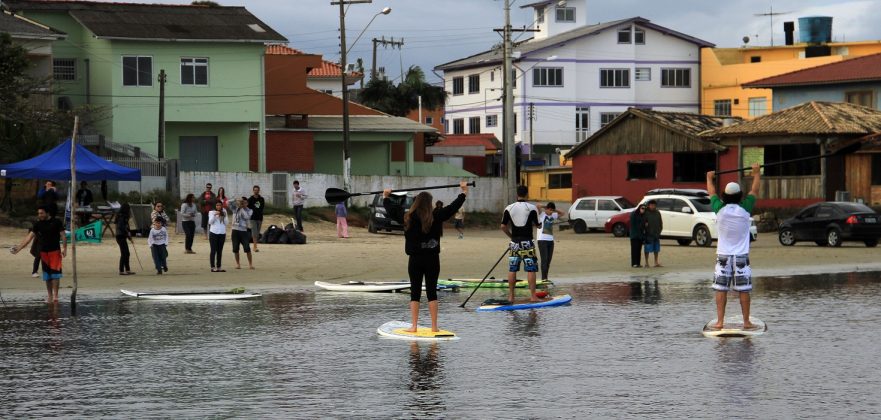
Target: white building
<point x="575" y="77"/>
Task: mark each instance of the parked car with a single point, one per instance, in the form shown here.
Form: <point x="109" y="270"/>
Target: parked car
<point x="589" y="213"/>
<point x="832" y="223"/>
<point x="379" y="215"/>
<point x="686" y="213"/>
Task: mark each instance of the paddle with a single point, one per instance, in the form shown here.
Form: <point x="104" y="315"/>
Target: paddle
<point x="782" y="162"/>
<point x="336" y="195"/>
<point x="136" y="252"/>
<point x="485" y="277"/>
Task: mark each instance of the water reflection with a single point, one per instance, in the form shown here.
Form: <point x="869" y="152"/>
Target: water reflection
<point x="647" y="291"/>
<point x="524" y="323"/>
<point x="736" y="370"/>
<point x="426" y="380"/>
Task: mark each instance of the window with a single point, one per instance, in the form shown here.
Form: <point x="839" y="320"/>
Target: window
<point x="474" y="83"/>
<point x="677" y="204"/>
<point x="692" y="167"/>
<point x="607" y="117"/>
<point x="586" y="205"/>
<point x="474" y="125"/>
<point x="458" y="85"/>
<point x="641" y="169"/>
<point x="758" y="107"/>
<point x="539" y="15"/>
<point x="64" y="69"/>
<point x="492" y="76"/>
<point x="546" y="76"/>
<point x="327" y="91"/>
<point x="722" y="107"/>
<point x="459" y="126"/>
<point x="676" y="78"/>
<point x="194" y="71"/>
<point x="429" y="120"/>
<point x="492" y="120"/>
<point x="863" y="98"/>
<point x="557" y="181"/>
<point x="446" y="123"/>
<point x="565" y="14"/>
<point x="624" y="35"/>
<point x="783" y="152"/>
<point x="582" y="123"/>
<point x="615" y="78"/>
<point x="755" y="59"/>
<point x="643" y="74"/>
<point x="607" y="205"/>
<point x="137" y="71"/>
<point x="639" y="36"/>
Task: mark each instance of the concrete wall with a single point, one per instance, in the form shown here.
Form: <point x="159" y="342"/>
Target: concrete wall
<point x="487" y="196"/>
<point x="789" y="97"/>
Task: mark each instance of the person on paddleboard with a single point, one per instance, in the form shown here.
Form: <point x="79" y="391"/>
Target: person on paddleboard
<point x="422" y="231"/>
<point x="519" y="222"/>
<point x="732" y="251"/>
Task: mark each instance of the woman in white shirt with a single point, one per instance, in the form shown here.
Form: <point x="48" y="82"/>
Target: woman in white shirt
<point x="216" y="235"/>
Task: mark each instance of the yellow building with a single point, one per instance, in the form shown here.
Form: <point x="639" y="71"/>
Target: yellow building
<point x="725" y="70"/>
<point x="549" y="183"/>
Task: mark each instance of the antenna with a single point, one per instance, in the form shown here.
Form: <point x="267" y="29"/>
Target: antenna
<point x="771" y="15"/>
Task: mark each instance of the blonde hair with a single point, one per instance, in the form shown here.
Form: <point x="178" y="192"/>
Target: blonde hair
<point x="422" y="209"/>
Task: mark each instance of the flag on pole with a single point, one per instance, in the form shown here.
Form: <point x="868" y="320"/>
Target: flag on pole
<point x="89" y="233"/>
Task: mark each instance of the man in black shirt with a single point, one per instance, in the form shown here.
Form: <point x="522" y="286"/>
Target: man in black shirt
<point x="519" y="222"/>
<point x="48" y="196"/>
<point x="84" y="199"/>
<point x="53" y="248"/>
<point x="256" y="203"/>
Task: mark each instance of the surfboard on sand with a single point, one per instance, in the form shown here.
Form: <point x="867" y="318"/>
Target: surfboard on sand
<point x="733" y="327"/>
<point x="554" y="301"/>
<point x="397" y="330"/>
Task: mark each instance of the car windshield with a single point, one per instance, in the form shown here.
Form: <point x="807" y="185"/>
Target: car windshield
<point x="702" y="204"/>
<point x="624" y="203"/>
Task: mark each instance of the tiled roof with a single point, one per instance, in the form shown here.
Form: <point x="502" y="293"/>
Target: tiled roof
<point x="861" y="69"/>
<point x="531" y="45"/>
<point x="488" y="141"/>
<point x="328" y="69"/>
<point x="159" y="22"/>
<point x="23" y="28"/>
<point x="357" y="123"/>
<point x="809" y="118"/>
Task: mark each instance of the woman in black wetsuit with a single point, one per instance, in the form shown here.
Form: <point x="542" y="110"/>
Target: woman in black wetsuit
<point x="422" y="232"/>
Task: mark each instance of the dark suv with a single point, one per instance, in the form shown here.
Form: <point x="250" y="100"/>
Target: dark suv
<point x="379" y="216"/>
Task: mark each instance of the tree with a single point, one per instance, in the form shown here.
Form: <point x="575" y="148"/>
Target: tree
<point x="399" y="100"/>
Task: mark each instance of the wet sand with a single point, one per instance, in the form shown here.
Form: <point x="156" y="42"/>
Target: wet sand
<point x="592" y="257"/>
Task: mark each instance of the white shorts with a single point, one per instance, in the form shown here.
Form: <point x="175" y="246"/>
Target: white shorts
<point x="733" y="273"/>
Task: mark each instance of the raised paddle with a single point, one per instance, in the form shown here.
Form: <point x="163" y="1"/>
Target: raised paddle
<point x="485" y="277"/>
<point x="336" y="195"/>
<point x="782" y="162"/>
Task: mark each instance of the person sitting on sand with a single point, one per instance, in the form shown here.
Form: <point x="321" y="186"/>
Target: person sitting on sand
<point x="732" y="252"/>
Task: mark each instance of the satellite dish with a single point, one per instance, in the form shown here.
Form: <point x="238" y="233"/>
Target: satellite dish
<point x="746" y="40"/>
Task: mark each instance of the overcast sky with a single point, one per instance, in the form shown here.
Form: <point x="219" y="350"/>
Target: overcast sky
<point x="438" y="31"/>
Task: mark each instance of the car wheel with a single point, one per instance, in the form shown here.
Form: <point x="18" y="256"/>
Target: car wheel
<point x="786" y="237"/>
<point x="833" y="237"/>
<point x="619" y="230"/>
<point x="821" y="243"/>
<point x="579" y="226"/>
<point x="683" y="242"/>
<point x="371" y="227"/>
<point x="871" y="243"/>
<point x="702" y="236"/>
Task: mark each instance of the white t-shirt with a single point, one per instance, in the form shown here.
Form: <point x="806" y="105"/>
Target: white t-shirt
<point x="546" y="231"/>
<point x="217" y="225"/>
<point x="733" y="223"/>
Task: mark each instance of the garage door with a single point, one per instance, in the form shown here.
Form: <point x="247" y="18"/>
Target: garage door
<point x="198" y="153"/>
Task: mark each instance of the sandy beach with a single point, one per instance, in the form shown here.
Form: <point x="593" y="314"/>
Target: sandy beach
<point x="592" y="257"/>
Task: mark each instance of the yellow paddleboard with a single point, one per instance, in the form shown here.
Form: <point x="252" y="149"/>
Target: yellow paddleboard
<point x="398" y="330"/>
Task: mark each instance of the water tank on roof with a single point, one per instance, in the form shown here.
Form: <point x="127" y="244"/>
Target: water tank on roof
<point x="815" y="29"/>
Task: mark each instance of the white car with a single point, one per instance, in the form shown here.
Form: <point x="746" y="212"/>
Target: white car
<point x="591" y="212"/>
<point x="688" y="216"/>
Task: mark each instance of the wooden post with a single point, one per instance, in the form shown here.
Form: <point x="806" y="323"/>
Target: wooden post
<point x="76" y="122"/>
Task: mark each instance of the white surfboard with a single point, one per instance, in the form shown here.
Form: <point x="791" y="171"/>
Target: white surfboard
<point x="733" y="327"/>
<point x="397" y="330"/>
<point x="192" y="295"/>
<point x="364" y="286"/>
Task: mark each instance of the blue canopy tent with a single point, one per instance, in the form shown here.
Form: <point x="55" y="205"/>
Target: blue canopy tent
<point x="55" y="164"/>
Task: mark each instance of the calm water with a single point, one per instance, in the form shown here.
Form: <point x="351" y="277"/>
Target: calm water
<point x="620" y="350"/>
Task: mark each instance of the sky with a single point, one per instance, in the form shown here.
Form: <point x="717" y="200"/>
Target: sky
<point x="438" y="31"/>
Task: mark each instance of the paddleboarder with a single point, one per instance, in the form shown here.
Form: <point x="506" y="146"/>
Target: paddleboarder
<point x="53" y="248"/>
<point x="519" y="222"/>
<point x="422" y="232"/>
<point x="732" y="252"/>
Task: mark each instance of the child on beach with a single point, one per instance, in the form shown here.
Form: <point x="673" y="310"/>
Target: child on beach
<point x="545" y="235"/>
<point x="158" y="240"/>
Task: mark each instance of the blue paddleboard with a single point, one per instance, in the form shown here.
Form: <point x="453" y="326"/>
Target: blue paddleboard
<point x="555" y="301"/>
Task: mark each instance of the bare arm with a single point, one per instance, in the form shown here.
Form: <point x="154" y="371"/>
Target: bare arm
<point x="711" y="183"/>
<point x="757" y="184"/>
<point x="27" y="239"/>
<point x="506" y="230"/>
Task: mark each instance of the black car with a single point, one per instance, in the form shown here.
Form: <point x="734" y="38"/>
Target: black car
<point x="832" y="223"/>
<point x="384" y="219"/>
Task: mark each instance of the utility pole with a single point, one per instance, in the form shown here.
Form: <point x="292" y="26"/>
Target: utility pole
<point x="384" y="43"/>
<point x="162" y="78"/>
<point x="531" y="119"/>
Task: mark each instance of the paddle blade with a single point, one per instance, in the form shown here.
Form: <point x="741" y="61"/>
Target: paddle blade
<point x="336" y="195"/>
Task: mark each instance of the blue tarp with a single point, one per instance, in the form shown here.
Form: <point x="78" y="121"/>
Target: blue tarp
<point x="55" y="164"/>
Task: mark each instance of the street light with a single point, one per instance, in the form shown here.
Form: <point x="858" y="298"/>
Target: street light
<point x="384" y="11"/>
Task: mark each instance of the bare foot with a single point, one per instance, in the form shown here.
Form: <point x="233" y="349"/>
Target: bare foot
<point x="658" y="265"/>
<point x="411" y="330"/>
<point x="749" y="325"/>
<point x="251" y="267"/>
<point x="435" y="329"/>
<point x="716" y="326"/>
<point x="238" y="267"/>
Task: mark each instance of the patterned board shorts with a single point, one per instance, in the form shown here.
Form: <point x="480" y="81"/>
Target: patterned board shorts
<point x="733" y="273"/>
<point x="523" y="251"/>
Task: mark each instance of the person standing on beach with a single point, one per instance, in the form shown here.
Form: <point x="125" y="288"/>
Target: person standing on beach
<point x="240" y="237"/>
<point x="733" y="221"/>
<point x="159" y="213"/>
<point x="545" y="236"/>
<point x="459" y="222"/>
<point x="298" y="199"/>
<point x="206" y="202"/>
<point x="84" y="199"/>
<point x="637" y="236"/>
<point x="53" y="248"/>
<point x="122" y="238"/>
<point x="221" y="197"/>
<point x="256" y="203"/>
<point x="157" y="240"/>
<point x="518" y="222"/>
<point x="187" y="216"/>
<point x="654" y="225"/>
<point x="216" y="236"/>
<point x="342" y="225"/>
<point x="48" y="196"/>
<point x="422" y="228"/>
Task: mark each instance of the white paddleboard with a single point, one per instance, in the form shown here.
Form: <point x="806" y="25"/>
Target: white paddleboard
<point x="192" y="295"/>
<point x="396" y="330"/>
<point x="364" y="286"/>
<point x="733" y="327"/>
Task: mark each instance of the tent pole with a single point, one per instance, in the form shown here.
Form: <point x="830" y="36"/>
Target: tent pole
<point x="72" y="203"/>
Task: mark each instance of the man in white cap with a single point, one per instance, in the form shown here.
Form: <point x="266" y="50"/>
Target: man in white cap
<point x="733" y="221"/>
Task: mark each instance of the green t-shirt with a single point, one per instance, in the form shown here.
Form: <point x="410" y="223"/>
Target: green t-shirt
<point x="747" y="203"/>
